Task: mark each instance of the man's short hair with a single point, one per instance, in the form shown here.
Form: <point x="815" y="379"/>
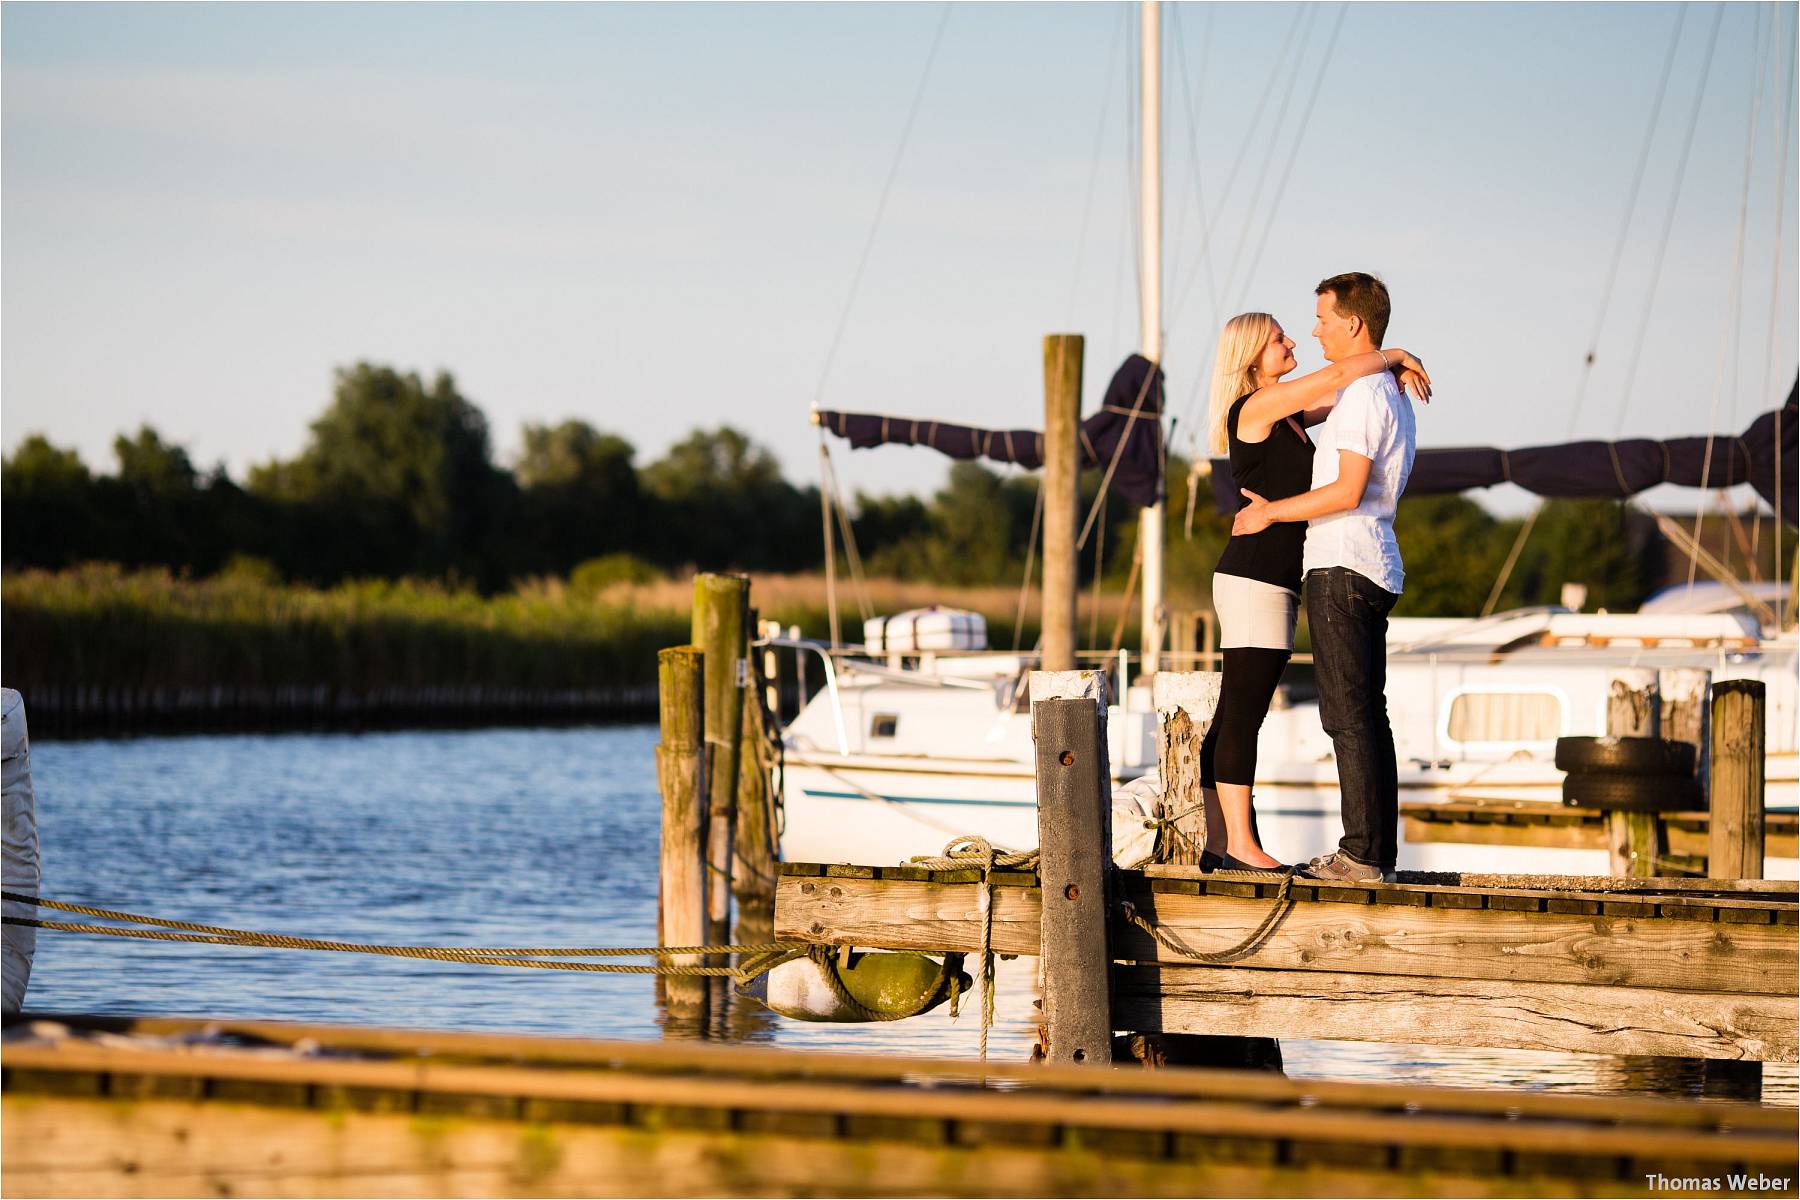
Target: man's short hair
<point x="1360" y="294"/>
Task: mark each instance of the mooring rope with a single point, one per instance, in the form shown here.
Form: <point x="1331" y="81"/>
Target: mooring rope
<point x="1283" y="902"/>
<point x="752" y="960"/>
<point x="972" y="851"/>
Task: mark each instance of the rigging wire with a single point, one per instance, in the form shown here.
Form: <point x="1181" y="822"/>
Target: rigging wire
<point x="1134" y="158"/>
<point x="1301" y="22"/>
<point x="1087" y="207"/>
<point x="887" y="189"/>
<point x="852" y="555"/>
<point x="1662" y="248"/>
<point x="1243" y="151"/>
<point x="1128" y="222"/>
<point x="1031" y="545"/>
<point x="1192" y="110"/>
<point x="1262" y="172"/>
<point x="1294" y="151"/>
<point x="1178" y="211"/>
<point x="1731" y="332"/>
<point x="1777" y="261"/>
<point x="1631" y="199"/>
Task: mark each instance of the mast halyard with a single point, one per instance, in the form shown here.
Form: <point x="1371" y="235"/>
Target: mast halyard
<point x="1150" y="520"/>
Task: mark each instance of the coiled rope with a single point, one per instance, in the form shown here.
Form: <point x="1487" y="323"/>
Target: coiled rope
<point x="970" y="851"/>
<point x="755" y="959"/>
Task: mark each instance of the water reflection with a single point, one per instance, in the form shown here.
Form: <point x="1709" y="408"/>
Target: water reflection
<point x="496" y="838"/>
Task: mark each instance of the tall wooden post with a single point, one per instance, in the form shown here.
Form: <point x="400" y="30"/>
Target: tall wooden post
<point x="1633" y="709"/>
<point x="681" y="775"/>
<point x="1734" y="848"/>
<point x="1074" y="852"/>
<point x="1735" y="842"/>
<point x="753" y="879"/>
<point x="1062" y="419"/>
<point x="720" y="604"/>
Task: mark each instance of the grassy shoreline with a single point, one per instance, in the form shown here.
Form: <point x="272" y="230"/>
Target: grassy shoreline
<point x="101" y="626"/>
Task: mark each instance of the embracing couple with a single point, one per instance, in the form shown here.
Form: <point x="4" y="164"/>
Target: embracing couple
<point x="1319" y="507"/>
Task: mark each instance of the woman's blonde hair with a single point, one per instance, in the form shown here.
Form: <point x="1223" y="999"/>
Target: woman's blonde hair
<point x="1241" y="343"/>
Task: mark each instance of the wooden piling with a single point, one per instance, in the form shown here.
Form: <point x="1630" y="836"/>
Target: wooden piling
<point x="1062" y="420"/>
<point x="1185" y="703"/>
<point x="1074" y="815"/>
<point x="681" y="776"/>
<point x="1686" y="712"/>
<point x="1735" y="841"/>
<point x="1735" y="831"/>
<point x="720" y="607"/>
<point x="1633" y="709"/>
<point x="753" y="872"/>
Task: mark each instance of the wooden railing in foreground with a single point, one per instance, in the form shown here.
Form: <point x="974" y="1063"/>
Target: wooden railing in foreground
<point x="392" y="1112"/>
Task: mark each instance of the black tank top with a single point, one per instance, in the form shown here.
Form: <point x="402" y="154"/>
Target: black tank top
<point x="1275" y="468"/>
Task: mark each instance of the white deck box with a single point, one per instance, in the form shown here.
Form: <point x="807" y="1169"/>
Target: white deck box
<point x="923" y="629"/>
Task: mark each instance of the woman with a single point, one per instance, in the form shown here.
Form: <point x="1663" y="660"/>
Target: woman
<point x="1259" y="420"/>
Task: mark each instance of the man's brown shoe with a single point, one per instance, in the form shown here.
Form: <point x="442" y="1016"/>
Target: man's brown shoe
<point x="1341" y="867"/>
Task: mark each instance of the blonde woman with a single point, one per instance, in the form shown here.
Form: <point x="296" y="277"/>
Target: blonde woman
<point x="1258" y="419"/>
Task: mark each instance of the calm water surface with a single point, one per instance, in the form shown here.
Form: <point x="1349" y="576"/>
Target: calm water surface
<point x="483" y="838"/>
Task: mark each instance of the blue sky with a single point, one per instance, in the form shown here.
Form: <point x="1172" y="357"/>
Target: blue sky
<point x="649" y="216"/>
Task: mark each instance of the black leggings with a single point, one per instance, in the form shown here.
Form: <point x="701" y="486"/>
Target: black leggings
<point x="1229" y="751"/>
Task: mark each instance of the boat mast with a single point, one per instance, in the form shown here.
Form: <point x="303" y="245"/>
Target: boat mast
<point x="1150" y="521"/>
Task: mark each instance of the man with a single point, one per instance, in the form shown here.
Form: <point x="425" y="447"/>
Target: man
<point x="1353" y="573"/>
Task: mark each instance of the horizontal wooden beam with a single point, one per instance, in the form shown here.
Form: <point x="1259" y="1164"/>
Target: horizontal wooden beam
<point x="1454" y="1012"/>
<point x="60" y="1146"/>
<point x="1673" y="942"/>
<point x="773" y="1067"/>
<point x="1548" y="823"/>
<point x="124" y="1078"/>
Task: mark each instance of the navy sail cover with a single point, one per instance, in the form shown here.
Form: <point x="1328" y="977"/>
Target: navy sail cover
<point x="1128" y="425"/>
<point x="1762" y="456"/>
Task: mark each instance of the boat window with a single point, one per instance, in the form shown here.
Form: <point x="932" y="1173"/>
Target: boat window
<point x="883" y="725"/>
<point x="1504" y="717"/>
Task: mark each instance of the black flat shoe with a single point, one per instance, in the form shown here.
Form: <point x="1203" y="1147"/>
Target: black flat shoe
<point x="1228" y="863"/>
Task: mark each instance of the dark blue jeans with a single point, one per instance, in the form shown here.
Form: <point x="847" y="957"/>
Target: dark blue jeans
<point x="1348" y="616"/>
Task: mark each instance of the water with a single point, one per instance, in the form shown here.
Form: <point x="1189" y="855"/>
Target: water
<point x="482" y="838"/>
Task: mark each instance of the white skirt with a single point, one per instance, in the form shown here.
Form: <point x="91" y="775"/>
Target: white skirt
<point x="1253" y="613"/>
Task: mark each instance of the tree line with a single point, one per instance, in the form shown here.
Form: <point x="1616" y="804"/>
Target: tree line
<point x="398" y="480"/>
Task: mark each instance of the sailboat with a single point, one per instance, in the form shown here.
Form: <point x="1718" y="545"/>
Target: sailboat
<point x="908" y="745"/>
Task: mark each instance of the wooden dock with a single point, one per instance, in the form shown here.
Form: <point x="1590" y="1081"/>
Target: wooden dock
<point x="1493" y="822"/>
<point x="1695" y="969"/>
<point x="1686" y="968"/>
<point x="267" y="1108"/>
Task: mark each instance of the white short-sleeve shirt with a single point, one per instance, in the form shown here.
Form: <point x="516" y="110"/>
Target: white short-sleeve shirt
<point x="1374" y="419"/>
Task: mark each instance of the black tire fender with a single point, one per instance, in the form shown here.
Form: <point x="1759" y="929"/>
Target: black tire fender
<point x="1633" y="793"/>
<point x="1624" y="756"/>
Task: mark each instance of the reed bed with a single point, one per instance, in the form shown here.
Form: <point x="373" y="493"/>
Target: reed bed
<point x="99" y="625"/>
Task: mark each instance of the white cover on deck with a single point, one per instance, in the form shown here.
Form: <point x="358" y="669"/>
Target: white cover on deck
<point x="19" y="863"/>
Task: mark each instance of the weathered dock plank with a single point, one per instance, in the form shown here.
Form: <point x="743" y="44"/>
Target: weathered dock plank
<point x="1554" y="824"/>
<point x="1344" y="929"/>
<point x="1525" y="944"/>
<point x="77" y="1121"/>
<point x="766" y="1064"/>
<point x="902" y="914"/>
<point x="78" y="1148"/>
<point x="1455" y="1012"/>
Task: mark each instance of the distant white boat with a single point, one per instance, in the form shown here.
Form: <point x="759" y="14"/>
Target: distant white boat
<point x="896" y="755"/>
